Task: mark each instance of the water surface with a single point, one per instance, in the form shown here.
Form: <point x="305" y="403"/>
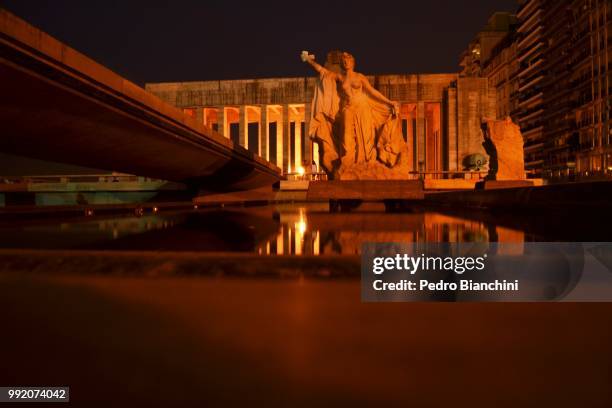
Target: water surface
<point x="269" y="230"/>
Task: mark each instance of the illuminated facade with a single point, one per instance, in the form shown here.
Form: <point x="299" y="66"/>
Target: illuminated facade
<point x="553" y="74"/>
<point x="501" y="70"/>
<point x="591" y="86"/>
<point x="483" y="46"/>
<point x="441" y="116"/>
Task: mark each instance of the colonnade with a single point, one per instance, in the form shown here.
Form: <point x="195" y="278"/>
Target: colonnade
<point x="278" y="133"/>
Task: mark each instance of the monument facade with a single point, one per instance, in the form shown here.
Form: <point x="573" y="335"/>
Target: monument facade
<point x="433" y="125"/>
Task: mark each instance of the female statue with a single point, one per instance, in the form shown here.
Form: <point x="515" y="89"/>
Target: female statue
<point x="350" y="114"/>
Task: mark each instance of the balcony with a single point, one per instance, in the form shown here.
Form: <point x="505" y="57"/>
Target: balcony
<point x="530" y="38"/>
<point x="532" y="81"/>
<point x="533" y="132"/>
<point x="538" y="97"/>
<point x="528" y="8"/>
<point x="528" y="68"/>
<point x="533" y="147"/>
<point x="527" y="116"/>
<point x="530" y="21"/>
<point x="530" y="51"/>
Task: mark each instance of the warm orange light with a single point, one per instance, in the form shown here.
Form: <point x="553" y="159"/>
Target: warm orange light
<point x="301" y="226"/>
<point x="300" y="230"/>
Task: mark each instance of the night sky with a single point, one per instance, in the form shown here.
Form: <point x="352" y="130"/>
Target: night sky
<point x="155" y="41"/>
<point x="190" y="40"/>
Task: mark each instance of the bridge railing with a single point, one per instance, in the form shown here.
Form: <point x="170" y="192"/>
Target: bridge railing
<point x="415" y="175"/>
<point x="76" y="178"/>
<point x="318" y="176"/>
<point x="449" y="175"/>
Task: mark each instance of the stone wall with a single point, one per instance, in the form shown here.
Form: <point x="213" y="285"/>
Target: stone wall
<point x="278" y="91"/>
<point x="474" y="102"/>
<point x="463" y="104"/>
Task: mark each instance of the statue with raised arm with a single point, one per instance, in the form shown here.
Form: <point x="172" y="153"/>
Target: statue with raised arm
<point x="356" y="127"/>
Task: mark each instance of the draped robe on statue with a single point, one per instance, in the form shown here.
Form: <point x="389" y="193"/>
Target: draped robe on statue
<point x="325" y="107"/>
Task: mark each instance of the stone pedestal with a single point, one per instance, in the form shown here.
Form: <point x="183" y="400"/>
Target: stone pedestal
<point x="373" y="190"/>
<point x="372" y="171"/>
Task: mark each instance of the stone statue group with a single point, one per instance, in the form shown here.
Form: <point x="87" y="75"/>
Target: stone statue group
<point x="357" y="128"/>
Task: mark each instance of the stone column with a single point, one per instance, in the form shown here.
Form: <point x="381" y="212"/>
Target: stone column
<point x="280" y="242"/>
<point x="243" y="126"/>
<point x="298" y="144"/>
<point x="308" y="153"/>
<point x="199" y="115"/>
<point x="263" y="133"/>
<point x="221" y="122"/>
<point x="279" y="141"/>
<point x="453" y="157"/>
<point x="421" y="132"/>
<point x="286" y="151"/>
<point x="288" y="242"/>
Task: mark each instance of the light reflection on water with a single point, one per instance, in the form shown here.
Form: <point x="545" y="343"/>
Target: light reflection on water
<point x="313" y="233"/>
<point x="270" y="230"/>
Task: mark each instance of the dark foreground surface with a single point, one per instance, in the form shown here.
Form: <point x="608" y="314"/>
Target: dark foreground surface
<point x="142" y="341"/>
<point x="148" y="312"/>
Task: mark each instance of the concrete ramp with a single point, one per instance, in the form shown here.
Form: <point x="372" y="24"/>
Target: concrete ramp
<point x="59" y="105"/>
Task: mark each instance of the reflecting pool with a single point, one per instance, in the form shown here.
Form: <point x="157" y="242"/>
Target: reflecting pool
<point x="269" y="230"/>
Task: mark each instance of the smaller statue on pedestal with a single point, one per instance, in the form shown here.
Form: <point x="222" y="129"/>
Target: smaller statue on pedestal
<point x="503" y="142"/>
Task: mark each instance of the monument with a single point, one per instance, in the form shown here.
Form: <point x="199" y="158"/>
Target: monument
<point x="503" y="142"/>
<point x="357" y="128"/>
